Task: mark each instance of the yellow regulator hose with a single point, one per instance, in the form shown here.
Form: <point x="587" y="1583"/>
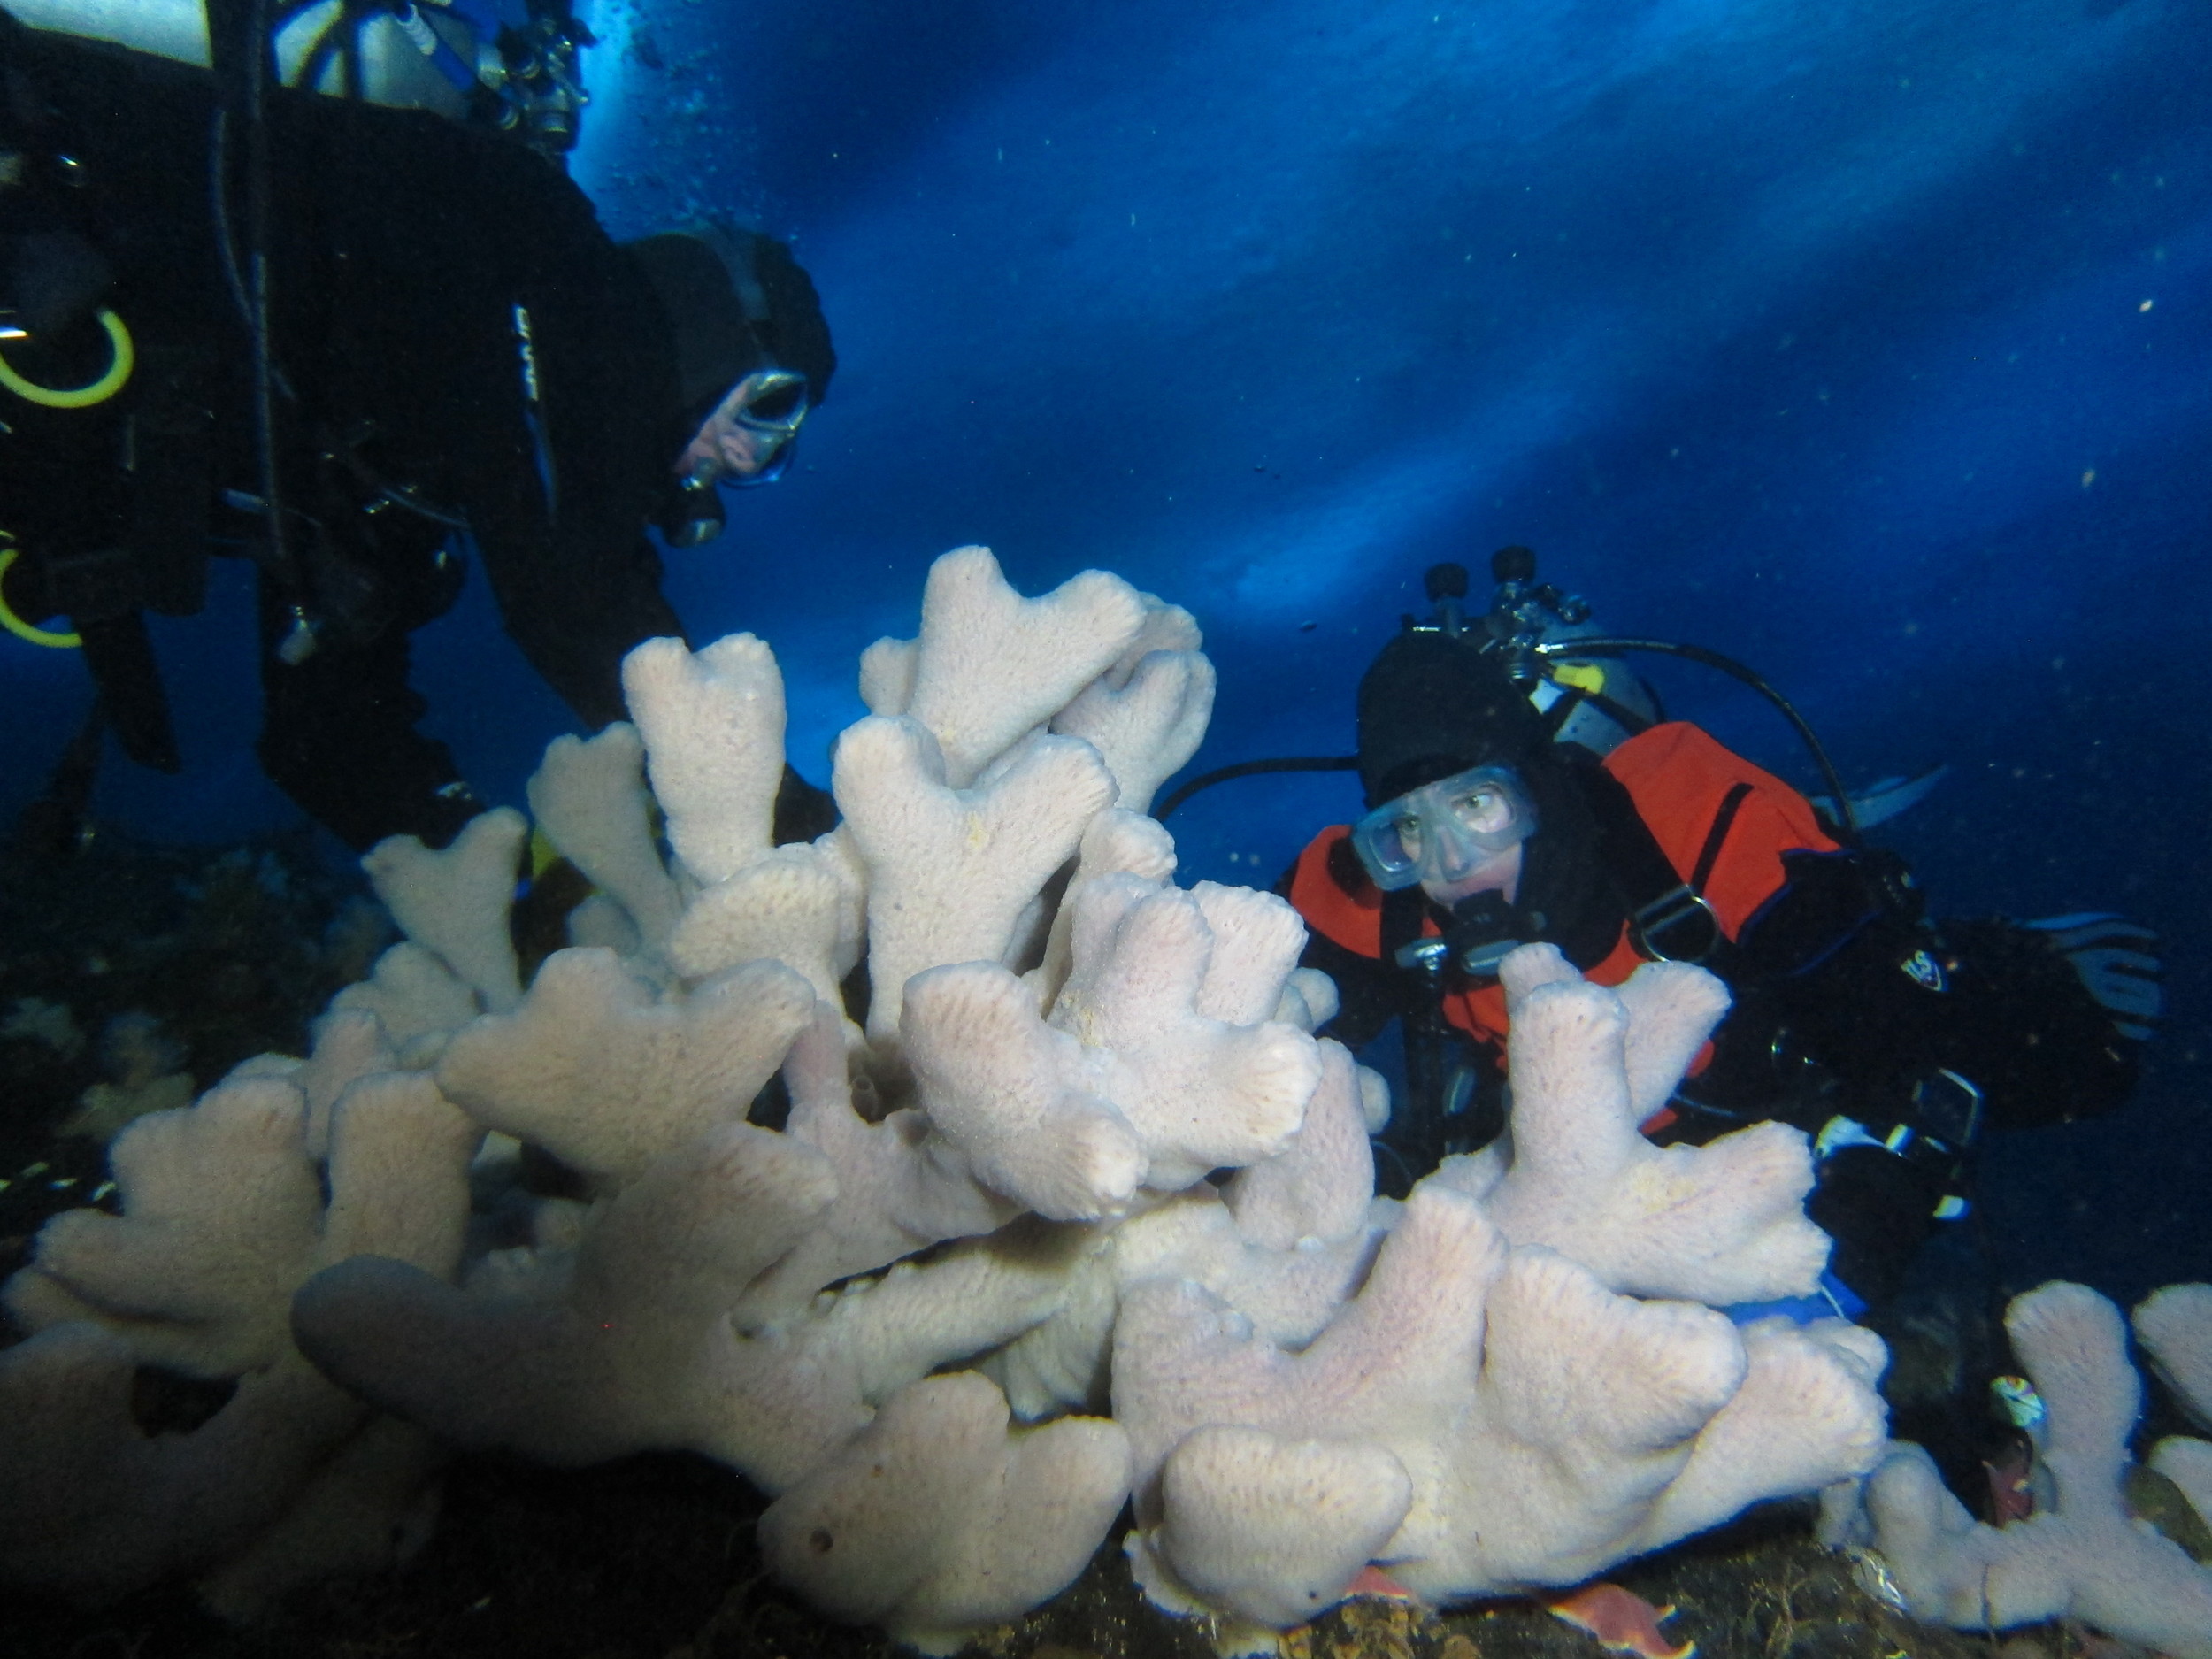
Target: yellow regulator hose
<point x="92" y="391"/>
<point x="15" y="624"/>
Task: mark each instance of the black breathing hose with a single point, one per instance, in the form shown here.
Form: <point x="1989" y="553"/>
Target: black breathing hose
<point x="1734" y="670"/>
<point x="1250" y="768"/>
<point x="1728" y="665"/>
<point x="244" y="51"/>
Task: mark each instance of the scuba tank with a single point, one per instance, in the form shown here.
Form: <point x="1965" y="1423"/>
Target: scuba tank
<point x="1570" y="670"/>
<point x="1593" y="701"/>
<point x="506" y="64"/>
<point x="382" y="64"/>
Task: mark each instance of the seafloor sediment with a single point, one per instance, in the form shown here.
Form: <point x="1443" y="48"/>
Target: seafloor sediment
<point x="652" y="1558"/>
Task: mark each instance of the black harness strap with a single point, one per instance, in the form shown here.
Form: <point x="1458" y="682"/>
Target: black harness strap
<point x="1419" y="1133"/>
<point x="1562" y="708"/>
<point x="1724" y="821"/>
<point x="1668" y="918"/>
<point x="1401" y="913"/>
<point x="171" y="457"/>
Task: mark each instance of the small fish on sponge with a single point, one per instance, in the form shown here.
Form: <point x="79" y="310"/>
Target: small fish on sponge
<point x="1622" y="1621"/>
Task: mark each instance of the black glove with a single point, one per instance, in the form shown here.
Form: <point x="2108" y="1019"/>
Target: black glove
<point x="1879" y="1208"/>
<point x="1886" y="1178"/>
<point x="2052" y="1016"/>
<point x="2112" y="957"/>
<point x="1843" y="1001"/>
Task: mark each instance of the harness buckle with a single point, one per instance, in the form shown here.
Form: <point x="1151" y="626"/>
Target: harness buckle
<point x="1679" y="905"/>
<point x="1948" y="1108"/>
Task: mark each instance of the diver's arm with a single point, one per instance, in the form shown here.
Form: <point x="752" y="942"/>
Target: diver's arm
<point x="2030" y="1026"/>
<point x="1898" y="1044"/>
<point x="1840" y="993"/>
<point x="563" y="424"/>
<point x="576" y="618"/>
<point x="1845" y="1023"/>
<point x="338" y="735"/>
<point x="1838" y="974"/>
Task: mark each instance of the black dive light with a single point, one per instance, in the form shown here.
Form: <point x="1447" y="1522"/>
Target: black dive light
<point x="691" y="514"/>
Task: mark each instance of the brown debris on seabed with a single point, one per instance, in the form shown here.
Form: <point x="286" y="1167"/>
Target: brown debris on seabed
<point x="652" y="1558"/>
<point x="209" y="955"/>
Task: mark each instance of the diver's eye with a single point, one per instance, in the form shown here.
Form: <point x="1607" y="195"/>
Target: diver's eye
<point x="1407" y="830"/>
<point x="1479" y="809"/>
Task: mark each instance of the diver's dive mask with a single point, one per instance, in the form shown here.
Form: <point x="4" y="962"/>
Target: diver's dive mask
<point x="748" y="440"/>
<point x="1442" y="830"/>
<point x="770" y="407"/>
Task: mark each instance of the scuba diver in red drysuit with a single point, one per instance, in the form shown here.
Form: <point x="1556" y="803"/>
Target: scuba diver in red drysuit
<point x="1620" y="837"/>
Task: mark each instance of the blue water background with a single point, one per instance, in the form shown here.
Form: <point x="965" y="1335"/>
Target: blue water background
<point x="1868" y="344"/>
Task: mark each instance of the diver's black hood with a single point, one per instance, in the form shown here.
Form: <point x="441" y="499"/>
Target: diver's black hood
<point x="1431" y="705"/>
<point x="736" y="300"/>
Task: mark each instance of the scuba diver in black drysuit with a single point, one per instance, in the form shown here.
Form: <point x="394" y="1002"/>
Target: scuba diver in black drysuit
<point x="350" y="343"/>
<point x="1523" y="786"/>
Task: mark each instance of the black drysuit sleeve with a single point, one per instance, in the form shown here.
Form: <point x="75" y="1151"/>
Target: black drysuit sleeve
<point x="1838" y="983"/>
<point x="496" y="331"/>
<point x="1849" y="1006"/>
